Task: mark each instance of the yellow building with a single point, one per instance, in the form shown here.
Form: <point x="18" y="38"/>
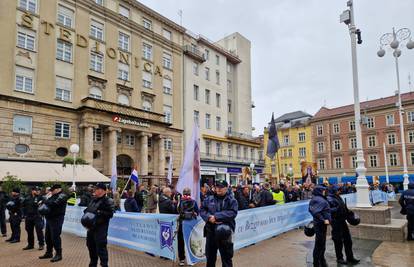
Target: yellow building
<point x="294" y="134"/>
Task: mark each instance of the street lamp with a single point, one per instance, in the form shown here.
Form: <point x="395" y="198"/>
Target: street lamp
<point x="362" y="186"/>
<point x="393" y="40"/>
<point x="74" y="149"/>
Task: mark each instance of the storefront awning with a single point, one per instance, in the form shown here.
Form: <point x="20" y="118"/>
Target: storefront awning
<point x="43" y="172"/>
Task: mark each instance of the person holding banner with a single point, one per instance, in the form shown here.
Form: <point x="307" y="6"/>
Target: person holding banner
<point x="219" y="211"/>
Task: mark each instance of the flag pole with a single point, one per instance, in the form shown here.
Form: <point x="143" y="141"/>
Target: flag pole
<point x="278" y="166"/>
<point x="129" y="179"/>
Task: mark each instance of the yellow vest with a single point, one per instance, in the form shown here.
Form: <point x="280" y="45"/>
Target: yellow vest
<point x="72" y="200"/>
<point x="279" y="197"/>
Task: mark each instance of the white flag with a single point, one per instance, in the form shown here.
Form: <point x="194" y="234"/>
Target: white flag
<point x="170" y="169"/>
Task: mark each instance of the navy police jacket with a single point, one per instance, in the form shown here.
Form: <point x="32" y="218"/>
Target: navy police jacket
<point x="319" y="206"/>
<point x="338" y="207"/>
<point x="223" y="208"/>
<point x="407" y="200"/>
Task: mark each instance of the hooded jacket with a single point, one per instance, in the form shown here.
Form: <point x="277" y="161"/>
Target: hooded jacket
<point x="338" y="208"/>
<point x="407" y="200"/>
<point x="319" y="206"/>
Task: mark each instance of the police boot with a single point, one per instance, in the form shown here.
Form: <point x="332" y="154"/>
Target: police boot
<point x="48" y="255"/>
<point x="57" y="257"/>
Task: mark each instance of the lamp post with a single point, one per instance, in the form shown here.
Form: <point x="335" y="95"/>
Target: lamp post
<point x="393" y="40"/>
<point x="387" y="177"/>
<point x="291" y="175"/>
<point x="251" y="171"/>
<point x="347" y="17"/>
<point x="74" y="149"/>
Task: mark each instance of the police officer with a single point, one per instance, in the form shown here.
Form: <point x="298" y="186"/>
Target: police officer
<point x="54" y="222"/>
<point x="319" y="208"/>
<point x="103" y="207"/>
<point x="4" y="198"/>
<point x="33" y="220"/>
<point x="72" y="198"/>
<point x="15" y="218"/>
<point x="340" y="231"/>
<point x="219" y="211"/>
<point x="407" y="204"/>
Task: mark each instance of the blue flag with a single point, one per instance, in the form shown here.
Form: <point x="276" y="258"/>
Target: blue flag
<point x="134" y="176"/>
<point x="273" y="144"/>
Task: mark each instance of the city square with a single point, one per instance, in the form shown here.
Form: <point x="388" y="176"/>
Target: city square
<point x="222" y="133"/>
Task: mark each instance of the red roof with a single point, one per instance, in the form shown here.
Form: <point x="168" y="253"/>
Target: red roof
<point x="380" y="102"/>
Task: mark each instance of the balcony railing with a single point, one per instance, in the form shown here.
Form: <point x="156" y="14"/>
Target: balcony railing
<point x="194" y="53"/>
<point x="226" y="158"/>
<point x="248" y="137"/>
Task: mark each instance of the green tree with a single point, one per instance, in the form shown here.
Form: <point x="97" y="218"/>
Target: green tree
<point x="69" y="160"/>
<point x="9" y="182"/>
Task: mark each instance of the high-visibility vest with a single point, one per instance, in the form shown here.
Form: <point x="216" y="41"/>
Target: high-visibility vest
<point x="72" y="200"/>
<point x="279" y="197"/>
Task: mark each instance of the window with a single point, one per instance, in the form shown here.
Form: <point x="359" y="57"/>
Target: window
<point x="29" y="5"/>
<point x="207" y="96"/>
<point x="195" y="68"/>
<point x="238" y="151"/>
<point x="123" y="41"/>
<point x="196" y="92"/>
<point x="149" y="143"/>
<point x="207" y="121"/>
<point x="118" y="138"/>
<point x="302" y="137"/>
<point x="321" y="163"/>
<point x="146" y="79"/>
<point x="62" y="130"/>
<point x="373" y="161"/>
<point x="218" y="123"/>
<point x="352" y="143"/>
<point x="64" y="51"/>
<point x="354" y="162"/>
<point x="321" y="147"/>
<point x="352" y="126"/>
<point x="99" y="2"/>
<point x="167" y="61"/>
<point x="370" y="123"/>
<point x="411" y="136"/>
<point x="229" y="68"/>
<point x="123" y="100"/>
<point x="147" y="51"/>
<point x="95" y="92"/>
<point x="26" y="39"/>
<point x="147" y="24"/>
<point x="390" y="119"/>
<point x="218" y="149"/>
<point x="286" y="140"/>
<point x="206" y="54"/>
<point x="245" y="152"/>
<point x="302" y="152"/>
<point x="391" y="138"/>
<point x="229" y="127"/>
<point x="372" y="141"/>
<point x="197" y="117"/>
<point x="65" y="16"/>
<point x="412" y="158"/>
<point x="167" y="114"/>
<point x="207" y="73"/>
<point x="290" y="152"/>
<point x="96" y="63"/>
<point x="335" y="128"/>
<point x="24" y="80"/>
<point x="338" y="163"/>
<point x="166" y="34"/>
<point x="230" y="151"/>
<point x="123" y="71"/>
<point x="63" y="89"/>
<point x="168" y="144"/>
<point x="130" y="139"/>
<point x="228" y="86"/>
<point x="217" y="60"/>
<point x="97" y="30"/>
<point x="337" y="145"/>
<point x="167" y="85"/>
<point x="410" y="116"/>
<point x="319" y="130"/>
<point x="392" y="158"/>
<point x="252" y="156"/>
<point x="229" y="105"/>
<point x="124" y="11"/>
<point x="208" y="147"/>
<point x="146" y="105"/>
<point x="217" y="77"/>
<point x="218" y="100"/>
<point x="97" y="134"/>
<point x="22" y="124"/>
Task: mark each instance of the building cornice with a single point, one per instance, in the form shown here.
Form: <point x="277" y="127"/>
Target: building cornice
<point x="233" y="141"/>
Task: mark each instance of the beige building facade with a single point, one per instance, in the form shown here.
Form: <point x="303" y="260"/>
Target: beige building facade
<point x="104" y="74"/>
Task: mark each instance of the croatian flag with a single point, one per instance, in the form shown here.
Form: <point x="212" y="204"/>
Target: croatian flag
<point x="190" y="170"/>
<point x="114" y="175"/>
<point x="134" y="176"/>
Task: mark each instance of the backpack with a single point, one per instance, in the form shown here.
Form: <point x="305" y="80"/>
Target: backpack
<point x="187" y="210"/>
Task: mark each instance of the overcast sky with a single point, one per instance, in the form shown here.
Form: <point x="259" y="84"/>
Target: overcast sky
<point x="301" y="55"/>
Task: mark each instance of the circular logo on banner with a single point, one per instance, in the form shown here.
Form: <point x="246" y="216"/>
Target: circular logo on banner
<point x="115" y="119"/>
<point x="197" y="241"/>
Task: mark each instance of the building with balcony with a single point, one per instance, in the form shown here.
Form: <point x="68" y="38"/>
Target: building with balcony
<point x="105" y="74"/>
<point x="334" y="140"/>
<point x="294" y="134"/>
<point x="217" y="96"/>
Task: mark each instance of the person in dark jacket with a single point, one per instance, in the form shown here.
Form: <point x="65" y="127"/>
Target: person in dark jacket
<point x="340" y="231"/>
<point x="166" y="204"/>
<point x="96" y="238"/>
<point x="4" y="198"/>
<point x="86" y="197"/>
<point x="130" y="204"/>
<point x="407" y="208"/>
<point x="140" y="197"/>
<point x="320" y="210"/>
<point x="54" y="222"/>
<point x="33" y="220"/>
<point x="266" y="197"/>
<point x="291" y="195"/>
<point x="217" y="210"/>
<point x="15" y="216"/>
<point x="243" y="198"/>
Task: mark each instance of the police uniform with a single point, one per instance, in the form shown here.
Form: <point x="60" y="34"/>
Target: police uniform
<point x="320" y="210"/>
<point x="33" y="220"/>
<point x="224" y="209"/>
<point x="3" y="201"/>
<point x="96" y="239"/>
<point x="15" y="218"/>
<point x="54" y="222"/>
<point x="407" y="205"/>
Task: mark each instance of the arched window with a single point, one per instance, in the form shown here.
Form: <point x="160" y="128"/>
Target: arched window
<point x="123" y="100"/>
<point x="95" y="92"/>
<point x="146" y="105"/>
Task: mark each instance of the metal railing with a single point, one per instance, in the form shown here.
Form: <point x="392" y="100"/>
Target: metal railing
<point x="240" y="135"/>
<point x="226" y="158"/>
